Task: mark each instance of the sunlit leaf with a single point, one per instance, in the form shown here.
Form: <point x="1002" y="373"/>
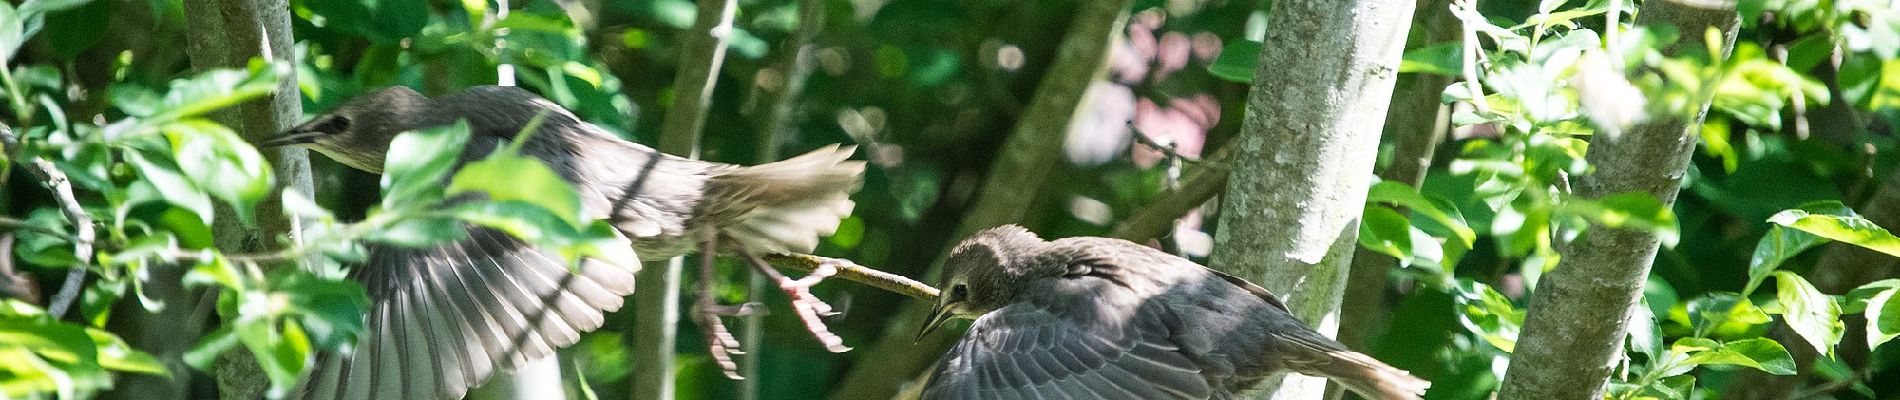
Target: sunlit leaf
<point x="418" y="162"/>
<point x="1851" y="229"/>
<point x="1810" y="313"/>
<point x="509" y="177"/>
<point x="1758" y="353"/>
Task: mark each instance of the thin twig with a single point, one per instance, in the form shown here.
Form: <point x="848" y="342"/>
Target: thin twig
<point x="13" y="283"/>
<point x="1154" y="219"/>
<point x="83" y="233"/>
<point x="854" y="272"/>
<point x="11" y="224"/>
<point x="1168" y="149"/>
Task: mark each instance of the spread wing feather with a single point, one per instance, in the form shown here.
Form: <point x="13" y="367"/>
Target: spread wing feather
<point x="445" y="318"/>
<point x="1026" y="350"/>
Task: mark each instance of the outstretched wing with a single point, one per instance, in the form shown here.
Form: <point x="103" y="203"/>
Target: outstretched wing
<point x="1029" y="351"/>
<point x="444" y="318"/>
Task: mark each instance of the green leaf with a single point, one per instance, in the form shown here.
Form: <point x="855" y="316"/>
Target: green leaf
<point x="419" y="232"/>
<point x="1810" y="313"/>
<point x="332" y="310"/>
<point x="171" y="185"/>
<point x="212" y="90"/>
<point x="1777" y="246"/>
<point x="1409" y="197"/>
<point x="1387" y="232"/>
<point x="1758" y="353"/>
<point x="220" y="163"/>
<point x="1850" y="229"/>
<point x="1635" y="210"/>
<point x="1237" y="61"/>
<point x="116" y="355"/>
<point x="1443" y="59"/>
<point x="417" y="163"/>
<point x="1883" y="317"/>
<point x="1723" y="311"/>
<point x="510" y="177"/>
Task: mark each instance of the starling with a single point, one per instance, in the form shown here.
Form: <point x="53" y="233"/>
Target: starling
<point x="444" y="318"/>
<point x="1099" y="318"/>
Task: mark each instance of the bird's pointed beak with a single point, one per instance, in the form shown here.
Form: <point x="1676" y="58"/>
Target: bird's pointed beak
<point x="938" y="316"/>
<point x="292" y="136"/>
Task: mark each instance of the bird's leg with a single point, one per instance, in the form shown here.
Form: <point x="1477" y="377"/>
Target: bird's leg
<point x="808" y="306"/>
<point x="707" y="310"/>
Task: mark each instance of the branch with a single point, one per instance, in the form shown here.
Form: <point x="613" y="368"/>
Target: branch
<point x="13" y="283"/>
<point x="1167" y="149"/>
<point x="1155" y="219"/>
<point x="851" y="271"/>
<point x="657" y="290"/>
<point x="23" y="226"/>
<point x="83" y="233"/>
<point x="1579" y="314"/>
<point x="1028" y="155"/>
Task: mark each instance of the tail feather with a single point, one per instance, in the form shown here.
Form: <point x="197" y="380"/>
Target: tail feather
<point x="785" y="206"/>
<point x="1308" y="353"/>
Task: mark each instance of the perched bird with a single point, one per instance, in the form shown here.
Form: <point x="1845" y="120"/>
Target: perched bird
<point x="1099" y="318"/>
<point x="444" y="318"/>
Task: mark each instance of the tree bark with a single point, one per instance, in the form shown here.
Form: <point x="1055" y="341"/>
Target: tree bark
<point x="228" y="34"/>
<point x="1304" y="156"/>
<point x="1032" y="150"/>
<point x="1574" y="328"/>
<point x="657" y="290"/>
<point x="1416" y="122"/>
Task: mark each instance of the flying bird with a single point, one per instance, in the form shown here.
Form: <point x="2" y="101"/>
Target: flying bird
<point x="1100" y="318"/>
<point x="445" y="318"/>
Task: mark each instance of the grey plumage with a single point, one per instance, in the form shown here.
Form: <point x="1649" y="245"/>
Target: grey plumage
<point x="446" y="318"/>
<point x="1099" y="318"/>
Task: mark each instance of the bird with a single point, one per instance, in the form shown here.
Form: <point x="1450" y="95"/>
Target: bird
<point x="1101" y="318"/>
<point x="444" y="318"/>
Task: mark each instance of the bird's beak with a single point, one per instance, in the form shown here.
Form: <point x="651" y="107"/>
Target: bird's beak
<point x="938" y="316"/>
<point x="292" y="136"/>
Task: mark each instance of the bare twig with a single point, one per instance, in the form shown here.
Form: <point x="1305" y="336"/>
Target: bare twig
<point x="83" y="233"/>
<point x="1154" y="220"/>
<point x="13" y="283"/>
<point x="851" y="271"/>
<point x="1168" y="149"/>
<point x="11" y="224"/>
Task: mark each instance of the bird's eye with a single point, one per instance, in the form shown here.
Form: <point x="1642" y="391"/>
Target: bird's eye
<point x="334" y="125"/>
<point x="958" y="292"/>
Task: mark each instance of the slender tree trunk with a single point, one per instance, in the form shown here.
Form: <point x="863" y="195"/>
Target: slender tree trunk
<point x="657" y="290"/>
<point x="1031" y="151"/>
<point x="1574" y="329"/>
<point x="781" y="122"/>
<point x="228" y="34"/>
<point x="1305" y="153"/>
<point x="1416" y="122"/>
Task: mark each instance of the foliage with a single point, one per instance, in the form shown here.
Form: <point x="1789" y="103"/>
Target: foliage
<point x="929" y="89"/>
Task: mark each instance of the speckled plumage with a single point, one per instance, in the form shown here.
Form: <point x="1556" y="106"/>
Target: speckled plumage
<point x="1099" y="318"/>
<point x="445" y="318"/>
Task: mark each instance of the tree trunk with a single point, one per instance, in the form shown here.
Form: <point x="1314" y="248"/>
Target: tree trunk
<point x="228" y="34"/>
<point x="1305" y="153"/>
<point x="1574" y="328"/>
<point x="1416" y="123"/>
<point x="1030" y="152"/>
<point x="657" y="290"/>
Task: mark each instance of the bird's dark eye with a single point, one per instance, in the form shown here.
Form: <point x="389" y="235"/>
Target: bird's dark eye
<point x="958" y="292"/>
<point x="334" y="125"/>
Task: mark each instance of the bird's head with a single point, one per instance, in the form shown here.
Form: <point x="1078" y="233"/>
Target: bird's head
<point x="358" y="132"/>
<point x="985" y="272"/>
